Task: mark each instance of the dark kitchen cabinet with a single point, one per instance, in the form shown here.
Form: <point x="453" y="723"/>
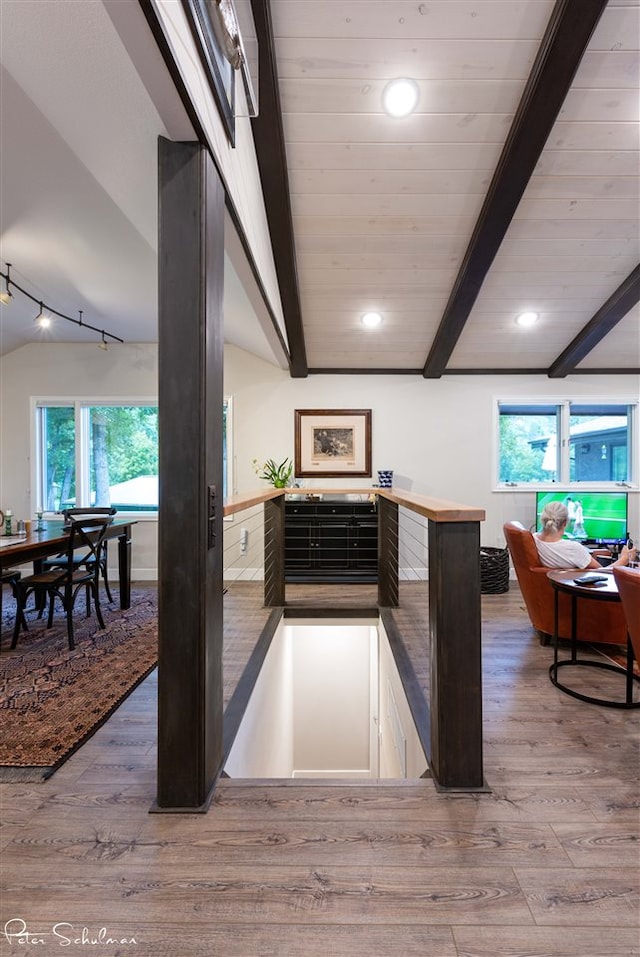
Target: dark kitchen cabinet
<point x="331" y="542"/>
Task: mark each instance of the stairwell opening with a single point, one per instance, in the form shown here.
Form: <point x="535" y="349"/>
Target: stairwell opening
<point x="328" y="703"/>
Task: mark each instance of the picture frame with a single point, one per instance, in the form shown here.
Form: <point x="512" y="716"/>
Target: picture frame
<point x="332" y="443"/>
<point x="219" y="71"/>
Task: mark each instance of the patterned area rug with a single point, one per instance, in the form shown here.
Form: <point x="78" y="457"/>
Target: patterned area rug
<point x="53" y="699"/>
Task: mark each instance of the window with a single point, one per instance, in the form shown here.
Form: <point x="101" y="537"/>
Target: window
<point x="540" y="443"/>
<point x="57" y="457"/>
<point x="599" y="443"/>
<point x="528" y="443"/>
<point x="97" y="454"/>
<point x="123" y="456"/>
<point x="92" y="453"/>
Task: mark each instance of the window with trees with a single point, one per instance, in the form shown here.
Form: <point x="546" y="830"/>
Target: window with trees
<point x="92" y="453"/>
<point x="565" y="441"/>
<point x="97" y="454"/>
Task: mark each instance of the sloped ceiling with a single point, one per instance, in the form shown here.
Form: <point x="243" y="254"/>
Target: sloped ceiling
<point x="78" y="178"/>
<point x="384" y="209"/>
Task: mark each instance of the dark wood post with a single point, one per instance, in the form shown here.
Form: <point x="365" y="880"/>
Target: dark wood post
<point x="274" y="552"/>
<point x="387" y="553"/>
<point x="124" y="566"/>
<point x="456" y="666"/>
<point x="190" y="397"/>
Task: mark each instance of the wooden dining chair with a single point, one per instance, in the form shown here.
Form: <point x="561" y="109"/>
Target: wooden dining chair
<point x="60" y="561"/>
<point x="81" y="570"/>
<point x="9" y="577"/>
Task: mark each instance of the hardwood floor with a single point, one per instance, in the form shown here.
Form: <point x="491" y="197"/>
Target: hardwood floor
<point x="544" y="864"/>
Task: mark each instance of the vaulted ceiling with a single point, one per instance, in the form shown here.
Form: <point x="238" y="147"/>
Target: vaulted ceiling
<point x="513" y="187"/>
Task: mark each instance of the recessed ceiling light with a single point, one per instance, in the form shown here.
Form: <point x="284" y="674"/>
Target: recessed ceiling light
<point x="371" y="319"/>
<point x="400" y="97"/>
<point x="527" y="318"/>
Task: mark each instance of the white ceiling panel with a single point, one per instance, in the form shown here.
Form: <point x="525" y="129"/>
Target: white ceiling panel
<point x="420" y="128"/>
<point x="392" y="156"/>
<point x="620" y="350"/>
<point x="375" y="59"/>
<point x="584" y="197"/>
<point x="440" y="20"/>
<point x="353" y="96"/>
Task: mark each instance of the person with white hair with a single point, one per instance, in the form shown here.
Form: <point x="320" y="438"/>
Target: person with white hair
<point x="558" y="552"/>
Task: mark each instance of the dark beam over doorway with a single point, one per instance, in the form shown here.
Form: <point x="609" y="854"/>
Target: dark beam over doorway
<point x="563" y="45"/>
<point x="609" y="315"/>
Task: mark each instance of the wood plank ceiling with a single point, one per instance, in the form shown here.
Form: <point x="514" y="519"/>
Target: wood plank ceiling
<point x="383" y="209"/>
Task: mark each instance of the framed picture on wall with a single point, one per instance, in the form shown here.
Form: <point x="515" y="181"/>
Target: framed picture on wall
<point x="330" y="443"/>
<point x="208" y="29"/>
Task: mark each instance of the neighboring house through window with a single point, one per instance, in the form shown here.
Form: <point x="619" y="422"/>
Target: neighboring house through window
<point x="565" y="441"/>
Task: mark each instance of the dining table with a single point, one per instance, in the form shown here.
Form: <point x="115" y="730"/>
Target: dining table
<point x="51" y="538"/>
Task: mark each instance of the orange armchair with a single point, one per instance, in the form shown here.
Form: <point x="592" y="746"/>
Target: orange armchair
<point x="628" y="582"/>
<point x="601" y="622"/>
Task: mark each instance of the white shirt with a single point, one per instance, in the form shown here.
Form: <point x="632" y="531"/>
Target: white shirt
<point x="563" y="554"/>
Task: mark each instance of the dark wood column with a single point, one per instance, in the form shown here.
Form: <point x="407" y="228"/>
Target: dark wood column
<point x="190" y="369"/>
<point x="387" y="553"/>
<point x="274" y="552"/>
<point x="124" y="566"/>
<point x="456" y="667"/>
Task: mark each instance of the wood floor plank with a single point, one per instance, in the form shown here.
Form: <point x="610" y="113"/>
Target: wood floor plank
<point x="356" y="843"/>
<point x="120" y="774"/>
<point x="578" y="773"/>
<point x="583" y="896"/>
<point x="318" y="895"/>
<point x="600" y="845"/>
<point x="253" y="938"/>
<point x="541" y="804"/>
<point x="566" y="941"/>
<point x="621" y="805"/>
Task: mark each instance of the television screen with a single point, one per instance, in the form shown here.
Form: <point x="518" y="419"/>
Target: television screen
<point x="593" y="516"/>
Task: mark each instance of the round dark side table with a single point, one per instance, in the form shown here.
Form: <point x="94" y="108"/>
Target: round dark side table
<point x="564" y="581"/>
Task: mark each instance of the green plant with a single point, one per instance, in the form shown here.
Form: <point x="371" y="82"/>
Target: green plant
<point x="278" y="475"/>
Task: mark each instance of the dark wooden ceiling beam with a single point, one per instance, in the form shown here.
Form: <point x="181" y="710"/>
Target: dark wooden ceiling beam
<point x="268" y="137"/>
<point x="561" y="50"/>
<point x="626" y="296"/>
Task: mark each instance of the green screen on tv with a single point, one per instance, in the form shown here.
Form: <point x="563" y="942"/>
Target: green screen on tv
<point x="599" y="516"/>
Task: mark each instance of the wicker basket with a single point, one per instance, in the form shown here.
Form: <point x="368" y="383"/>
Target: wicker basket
<point x="494" y="571"/>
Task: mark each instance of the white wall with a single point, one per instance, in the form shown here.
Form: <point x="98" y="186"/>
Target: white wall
<point x="238" y="164"/>
<point x="263" y="747"/>
<point x="332" y="708"/>
<point x="70" y="370"/>
<point x="435" y="434"/>
<point x="309" y="714"/>
<point x="390" y="763"/>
